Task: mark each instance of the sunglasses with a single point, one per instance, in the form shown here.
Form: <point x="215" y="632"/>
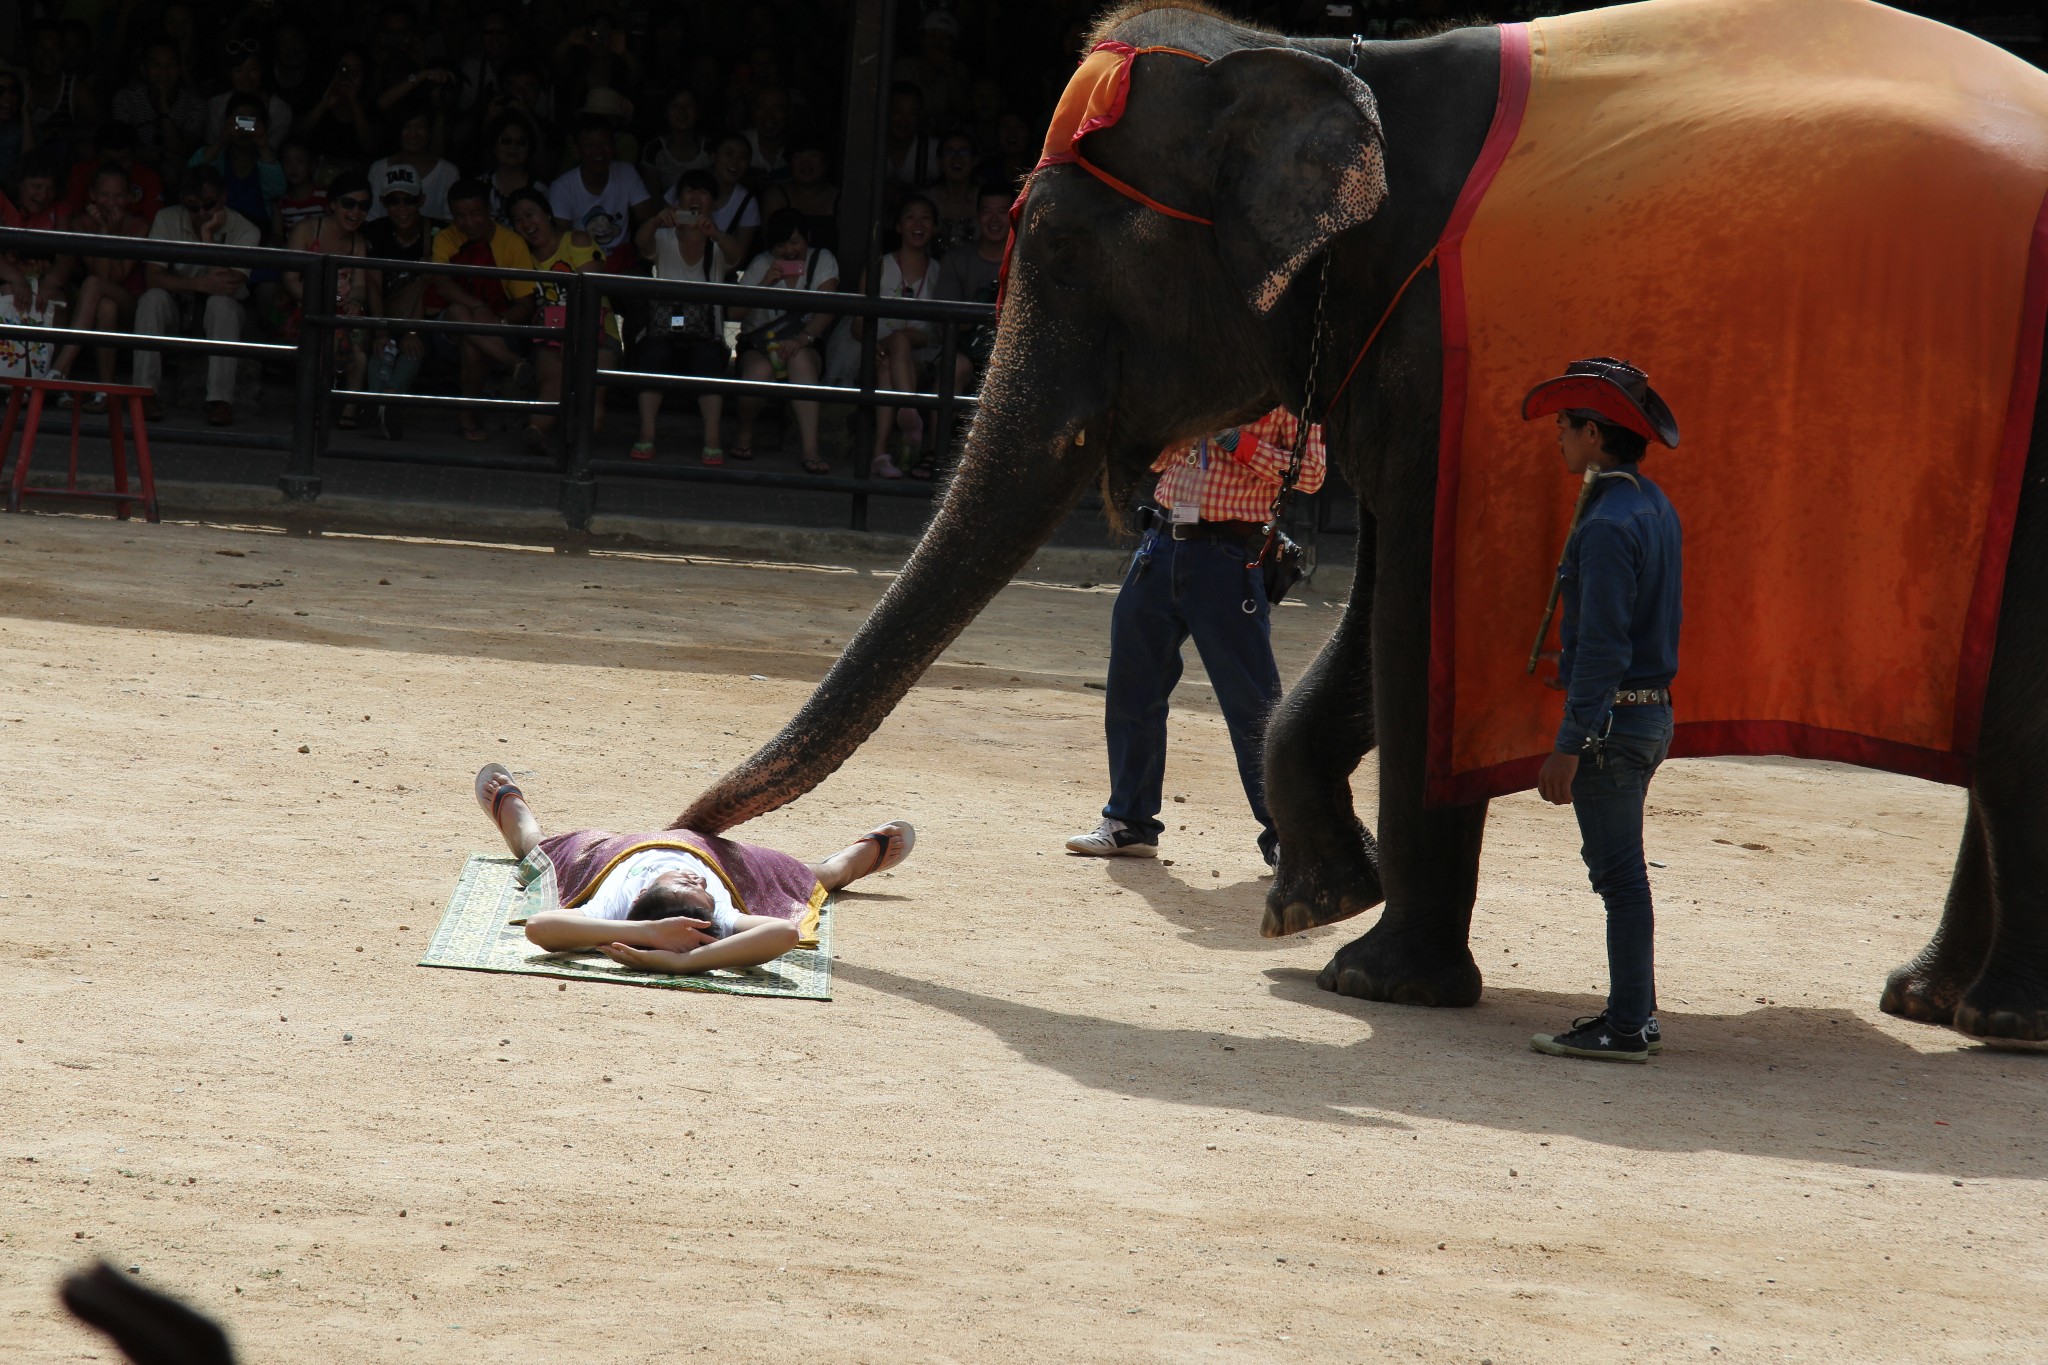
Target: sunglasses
<point x="359" y="203"/>
<point x="241" y="47"/>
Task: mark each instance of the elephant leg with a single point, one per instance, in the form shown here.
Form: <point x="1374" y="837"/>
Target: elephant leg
<point x="1417" y="954"/>
<point x="1329" y="864"/>
<point x="2008" y="1000"/>
<point x="1928" y="988"/>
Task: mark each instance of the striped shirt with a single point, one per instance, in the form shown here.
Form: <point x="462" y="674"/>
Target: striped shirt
<point x="1239" y="485"/>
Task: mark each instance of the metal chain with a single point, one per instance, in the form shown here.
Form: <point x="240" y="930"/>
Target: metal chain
<point x="1305" y="419"/>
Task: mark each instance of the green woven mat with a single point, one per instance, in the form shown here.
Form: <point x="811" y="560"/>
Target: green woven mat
<point x="477" y="934"/>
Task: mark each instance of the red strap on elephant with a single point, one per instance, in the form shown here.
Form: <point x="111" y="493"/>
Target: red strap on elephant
<point x="1093" y="100"/>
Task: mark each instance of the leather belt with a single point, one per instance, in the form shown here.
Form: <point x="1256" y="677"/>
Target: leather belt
<point x="1643" y="696"/>
<point x="1237" y="532"/>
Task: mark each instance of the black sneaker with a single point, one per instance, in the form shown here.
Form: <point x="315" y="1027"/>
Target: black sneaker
<point x="1596" y="1039"/>
<point x="1650" y="1031"/>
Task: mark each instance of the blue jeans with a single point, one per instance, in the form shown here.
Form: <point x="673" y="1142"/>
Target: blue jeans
<point x="1175" y="589"/>
<point x="1608" y="799"/>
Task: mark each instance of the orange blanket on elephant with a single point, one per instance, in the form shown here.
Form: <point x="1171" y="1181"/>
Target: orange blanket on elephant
<point x="1818" y="225"/>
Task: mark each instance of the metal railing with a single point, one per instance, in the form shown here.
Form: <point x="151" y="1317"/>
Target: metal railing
<point x="315" y="394"/>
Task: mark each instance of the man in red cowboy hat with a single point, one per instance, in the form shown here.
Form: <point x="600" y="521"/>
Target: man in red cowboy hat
<point x="1619" y="651"/>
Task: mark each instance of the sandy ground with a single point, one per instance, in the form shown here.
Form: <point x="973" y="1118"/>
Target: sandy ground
<point x="1059" y="1109"/>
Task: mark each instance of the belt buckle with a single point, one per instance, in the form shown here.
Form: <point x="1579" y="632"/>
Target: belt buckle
<point x="1183" y="530"/>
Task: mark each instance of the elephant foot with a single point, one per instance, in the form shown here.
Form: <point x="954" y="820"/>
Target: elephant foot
<point x="1403" y="969"/>
<point x="2003" y="1011"/>
<point x="1313" y="889"/>
<point x="1924" y="992"/>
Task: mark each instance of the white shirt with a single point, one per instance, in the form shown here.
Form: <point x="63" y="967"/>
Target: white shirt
<point x="670" y="265"/>
<point x="621" y="886"/>
<point x="606" y="215"/>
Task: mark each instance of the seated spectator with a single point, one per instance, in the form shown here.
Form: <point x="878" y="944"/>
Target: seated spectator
<point x="415" y="149"/>
<point x="608" y="104"/>
<point x="61" y="107"/>
<point x="293" y="77"/>
<point x="768" y="139"/>
<point x="910" y="154"/>
<point x="17" y="133"/>
<point x="398" y="55"/>
<point x="303" y="197"/>
<point x="243" y="58"/>
<point x="208" y="297"/>
<point x="337" y="232"/>
<point x="568" y="251"/>
<point x="679" y="147"/>
<point x="37" y="203"/>
<point x="338" y="128"/>
<point x="902" y="348"/>
<point x="525" y="89"/>
<point x="595" y="54"/>
<point x="400" y="235"/>
<point x="509" y="144"/>
<point x="111" y="284"/>
<point x="809" y="192"/>
<point x="936" y="72"/>
<point x="984" y="112"/>
<point x="474" y="239"/>
<point x="954" y="193"/>
<point x="1017" y="150"/>
<point x="167" y="115"/>
<point x="48" y="278"/>
<point x="114" y="145"/>
<point x="783" y="346"/>
<point x="737" y="214"/>
<point x="478" y="78"/>
<point x="247" y="165"/>
<point x="600" y="195"/>
<point x="971" y="275"/>
<point x="685" y="338"/>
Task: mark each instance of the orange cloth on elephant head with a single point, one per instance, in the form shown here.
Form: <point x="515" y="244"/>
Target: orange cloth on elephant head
<point x="1818" y="226"/>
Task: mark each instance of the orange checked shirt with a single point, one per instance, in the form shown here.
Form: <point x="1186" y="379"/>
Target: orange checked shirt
<point x="1238" y="485"/>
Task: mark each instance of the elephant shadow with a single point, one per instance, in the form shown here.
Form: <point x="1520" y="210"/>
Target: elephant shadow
<point x="1798" y="1083"/>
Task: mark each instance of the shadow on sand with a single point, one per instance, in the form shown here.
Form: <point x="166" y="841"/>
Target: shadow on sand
<point x="1740" y="1083"/>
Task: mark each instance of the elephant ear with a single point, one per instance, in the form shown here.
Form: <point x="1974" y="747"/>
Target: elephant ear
<point x="1299" y="159"/>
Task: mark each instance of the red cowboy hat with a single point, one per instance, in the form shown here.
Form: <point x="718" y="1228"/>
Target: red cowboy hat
<point x="1611" y="390"/>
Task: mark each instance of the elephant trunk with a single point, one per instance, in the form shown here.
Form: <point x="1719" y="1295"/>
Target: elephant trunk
<point x="1009" y="497"/>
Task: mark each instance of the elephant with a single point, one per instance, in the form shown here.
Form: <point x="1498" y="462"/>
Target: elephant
<point x="1094" y="373"/>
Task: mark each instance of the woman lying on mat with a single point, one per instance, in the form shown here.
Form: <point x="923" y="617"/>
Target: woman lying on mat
<point x="677" y="901"/>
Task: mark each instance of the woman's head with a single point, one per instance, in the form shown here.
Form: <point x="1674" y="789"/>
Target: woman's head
<point x="681" y="113"/>
<point x="785" y="235"/>
<point x="415" y="129"/>
<point x="243" y="58"/>
<point x="730" y="159"/>
<point x="673" y="894"/>
<point x="348" y="199"/>
<point x="109" y="193"/>
<point x="807" y="162"/>
<point x="531" y="217"/>
<point x="916" y="221"/>
<point x="697" y="191"/>
<point x="956" y="158"/>
<point x="509" y="140"/>
<point x="160" y="66"/>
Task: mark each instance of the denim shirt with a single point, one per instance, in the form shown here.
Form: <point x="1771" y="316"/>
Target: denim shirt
<point x="1621" y="601"/>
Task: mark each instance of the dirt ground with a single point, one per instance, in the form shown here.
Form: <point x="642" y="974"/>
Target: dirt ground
<point x="1059" y="1110"/>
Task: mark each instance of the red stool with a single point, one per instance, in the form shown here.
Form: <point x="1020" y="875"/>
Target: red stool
<point x="33" y="390"/>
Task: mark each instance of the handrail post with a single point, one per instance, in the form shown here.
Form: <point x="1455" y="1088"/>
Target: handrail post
<point x="301" y="481"/>
<point x="579" y="398"/>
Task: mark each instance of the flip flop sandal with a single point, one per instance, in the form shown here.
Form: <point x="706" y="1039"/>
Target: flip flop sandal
<point x="711" y="456"/>
<point x="492" y="804"/>
<point x="892" y="845"/>
<point x="740" y="452"/>
<point x="347" y="420"/>
<point x="96" y="405"/>
<point x="475" y="434"/>
<point x="642" y="450"/>
<point x="817" y="466"/>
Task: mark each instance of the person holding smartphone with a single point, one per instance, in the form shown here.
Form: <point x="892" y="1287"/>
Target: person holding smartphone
<point x="783" y="346"/>
<point x="685" y="337"/>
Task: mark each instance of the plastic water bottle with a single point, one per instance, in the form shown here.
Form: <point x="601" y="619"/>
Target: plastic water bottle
<point x="775" y="361"/>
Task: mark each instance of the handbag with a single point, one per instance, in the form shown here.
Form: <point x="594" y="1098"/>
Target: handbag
<point x="1282" y="566"/>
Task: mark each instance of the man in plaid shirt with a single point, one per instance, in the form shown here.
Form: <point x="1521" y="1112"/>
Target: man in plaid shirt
<point x="1192" y="575"/>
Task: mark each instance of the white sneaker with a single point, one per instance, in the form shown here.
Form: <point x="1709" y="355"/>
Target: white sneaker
<point x="1112" y="839"/>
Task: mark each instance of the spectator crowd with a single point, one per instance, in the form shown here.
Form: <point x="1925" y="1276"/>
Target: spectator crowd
<point x="689" y="141"/>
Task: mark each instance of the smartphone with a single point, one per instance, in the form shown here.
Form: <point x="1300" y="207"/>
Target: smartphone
<point x="790" y="267"/>
<point x="688" y="217"/>
<point x="245" y="123"/>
